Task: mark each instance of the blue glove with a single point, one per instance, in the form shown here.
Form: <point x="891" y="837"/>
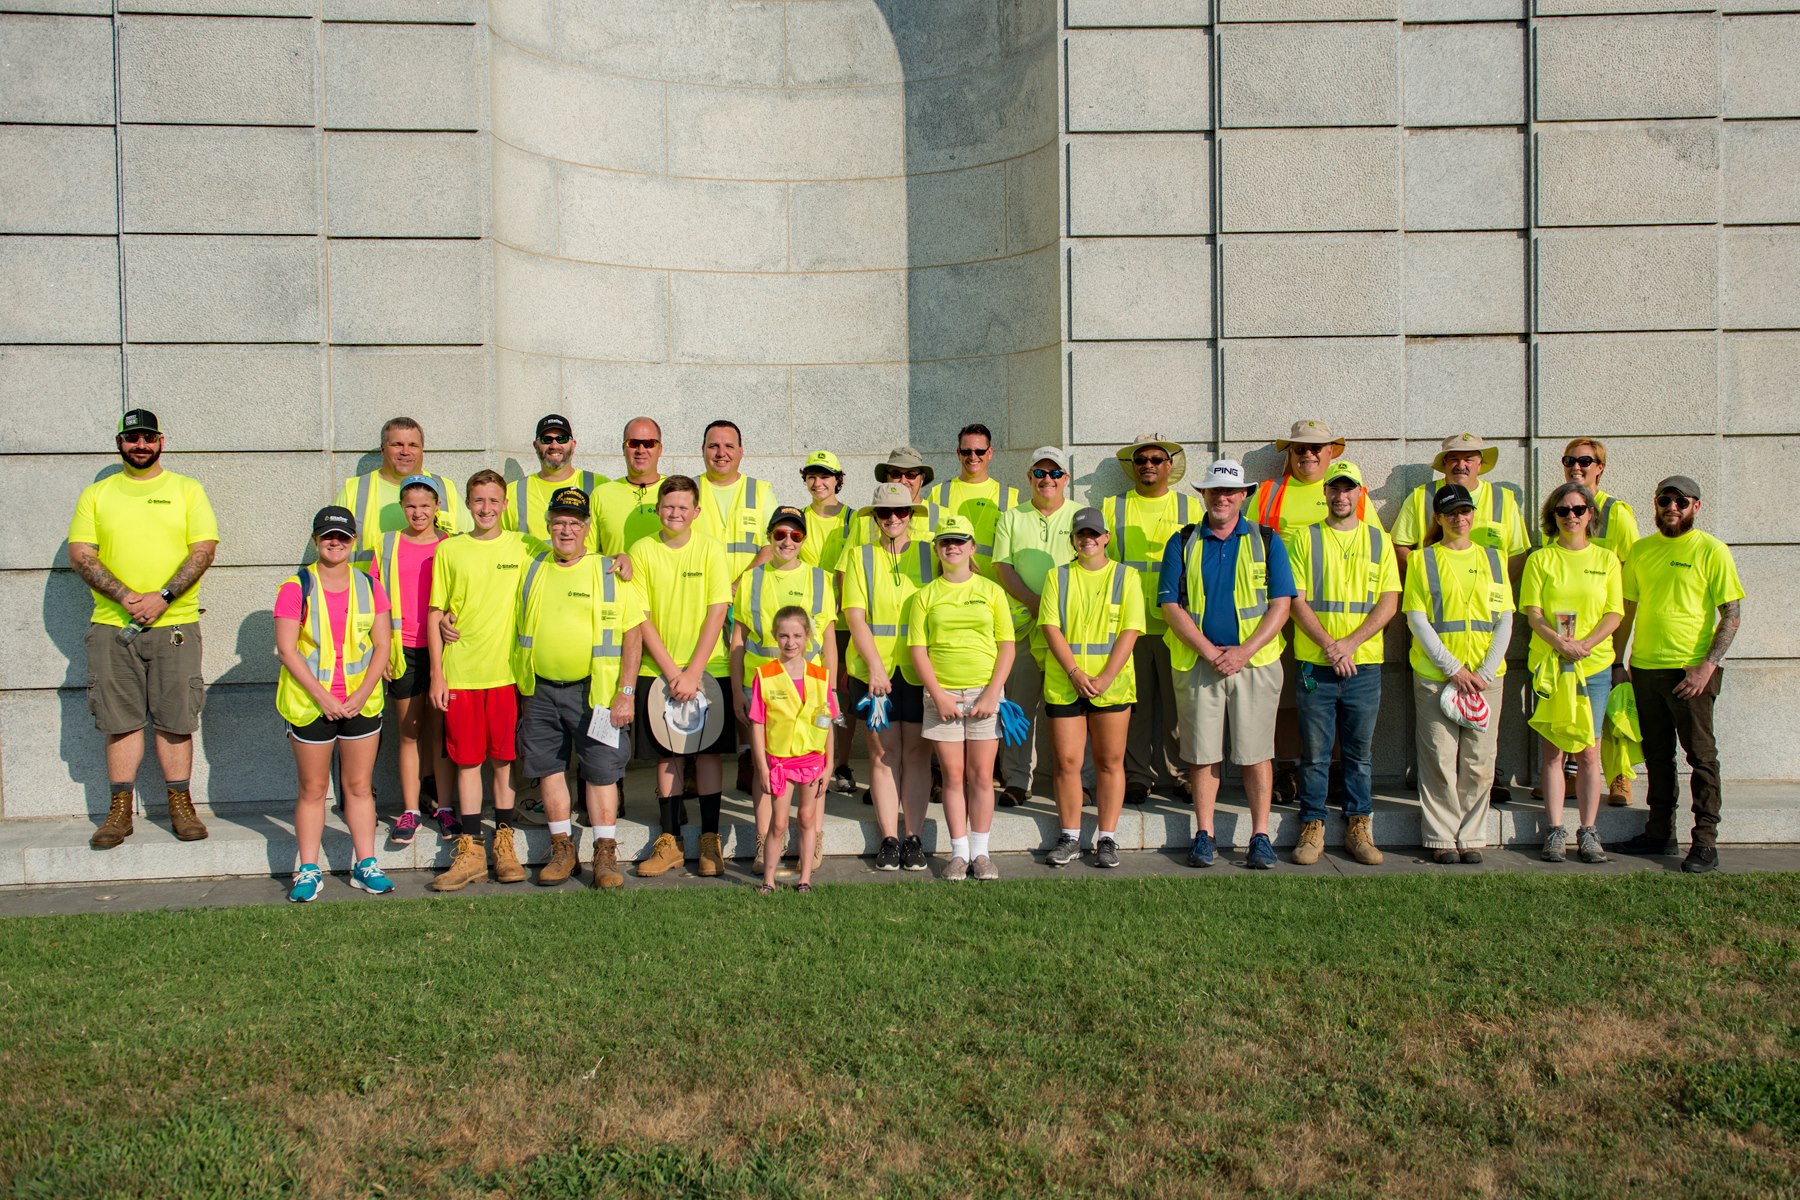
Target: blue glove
<point x="876" y="708"/>
<point x="1013" y="725"/>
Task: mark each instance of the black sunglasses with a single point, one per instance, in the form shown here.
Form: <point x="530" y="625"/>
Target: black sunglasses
<point x="1570" y="510"/>
<point x="1148" y="460"/>
<point x="1583" y="461"/>
<point x="1041" y="473"/>
<point x="1674" y="498"/>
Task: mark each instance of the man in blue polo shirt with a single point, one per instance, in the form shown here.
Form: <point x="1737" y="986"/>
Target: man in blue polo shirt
<point x="1225" y="593"/>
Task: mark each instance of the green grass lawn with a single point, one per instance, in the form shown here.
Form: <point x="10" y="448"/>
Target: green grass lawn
<point x="1405" y="1035"/>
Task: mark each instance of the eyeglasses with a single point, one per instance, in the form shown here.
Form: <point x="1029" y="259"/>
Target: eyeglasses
<point x="139" y="438"/>
<point x="972" y="452"/>
<point x="642" y="443"/>
<point x="1570" y="510"/>
<point x="567" y="526"/>
<point x="1673" y="498"/>
<point x="788" y="535"/>
<point x="1041" y="473"/>
<point x="1148" y="460"/>
<point x="1584" y="461"/>
<point x="556" y="439"/>
<point x="892" y="514"/>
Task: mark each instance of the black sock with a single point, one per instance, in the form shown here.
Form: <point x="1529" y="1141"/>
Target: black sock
<point x="670" y="808"/>
<point x="502" y="816"/>
<point x="709" y="813"/>
<point x="128" y="786"/>
<point x="175" y="785"/>
<point x="471" y="824"/>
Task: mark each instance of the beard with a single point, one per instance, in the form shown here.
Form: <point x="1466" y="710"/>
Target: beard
<point x="1683" y="521"/>
<point x="131" y="457"/>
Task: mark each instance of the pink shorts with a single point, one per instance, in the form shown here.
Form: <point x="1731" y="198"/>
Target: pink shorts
<point x="480" y="724"/>
<point x="801" y="768"/>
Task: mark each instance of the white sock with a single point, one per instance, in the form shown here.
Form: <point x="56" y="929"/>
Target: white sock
<point x="1072" y="833"/>
<point x="959" y="848"/>
<point x="605" y="832"/>
<point x="562" y="827"/>
<point x="1107" y="833"/>
<point x="978" y="844"/>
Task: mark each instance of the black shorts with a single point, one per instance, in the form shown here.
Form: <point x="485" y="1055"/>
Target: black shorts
<point x="323" y="732"/>
<point x="553" y="721"/>
<point x="417" y="680"/>
<point x="1082" y="707"/>
<point x="906" y="703"/>
<point x="725" y="743"/>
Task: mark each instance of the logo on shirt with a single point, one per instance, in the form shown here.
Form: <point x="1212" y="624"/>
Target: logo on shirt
<point x="1591" y="571"/>
<point x="693" y="574"/>
<point x="582" y="595"/>
<point x="506" y="566"/>
<point x="154" y="500"/>
<point x="1676" y="562"/>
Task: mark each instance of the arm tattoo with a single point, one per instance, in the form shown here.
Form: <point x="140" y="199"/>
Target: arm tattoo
<point x="85" y="560"/>
<point x="200" y="557"/>
<point x="1729" y="620"/>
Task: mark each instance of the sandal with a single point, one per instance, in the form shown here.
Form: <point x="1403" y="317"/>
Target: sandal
<point x="803" y="887"/>
<point x="765" y="889"/>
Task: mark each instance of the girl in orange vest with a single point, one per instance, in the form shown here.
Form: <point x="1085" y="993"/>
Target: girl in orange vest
<point x="792" y="709"/>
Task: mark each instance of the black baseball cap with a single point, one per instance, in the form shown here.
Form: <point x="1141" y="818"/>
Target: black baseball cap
<point x="334" y="518"/>
<point x="571" y="500"/>
<point x="552" y="423"/>
<point x="139" y="420"/>
<point x="787" y="514"/>
<point x="1452" y="497"/>
<point x="1088" y="519"/>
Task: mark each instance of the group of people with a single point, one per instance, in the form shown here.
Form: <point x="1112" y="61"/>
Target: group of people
<point x="559" y="623"/>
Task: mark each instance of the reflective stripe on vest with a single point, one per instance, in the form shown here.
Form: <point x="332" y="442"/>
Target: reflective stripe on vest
<point x="1316" y="600"/>
<point x="1435" y="586"/>
<point x="365" y="485"/>
<point x="748" y="502"/>
<point x="390" y="574"/>
<point x="1605" y="516"/>
<point x="943" y="499"/>
<point x="362" y="599"/>
<point x="1062" y="610"/>
<point x="1146" y="566"/>
<point x="868" y="562"/>
<point x="531" y="574"/>
<point x="754" y="642"/>
<point x="1259" y="603"/>
<point x="610" y="646"/>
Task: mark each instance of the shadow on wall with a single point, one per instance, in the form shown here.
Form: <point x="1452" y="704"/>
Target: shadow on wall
<point x="980" y="128"/>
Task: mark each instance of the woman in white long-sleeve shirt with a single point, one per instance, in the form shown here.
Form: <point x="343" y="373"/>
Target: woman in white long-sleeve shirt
<point x="1459" y="606"/>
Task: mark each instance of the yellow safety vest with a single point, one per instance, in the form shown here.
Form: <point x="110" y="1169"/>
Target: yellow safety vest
<point x="1469" y="622"/>
<point x="320" y="652"/>
<point x="1250" y="592"/>
<point x="368" y="513"/>
<point x="609" y="644"/>
<point x="1089" y="656"/>
<point x="517" y="493"/>
<point x="793" y="728"/>
<point x="886" y="625"/>
<point x="1315" y="598"/>
<point x="760" y="640"/>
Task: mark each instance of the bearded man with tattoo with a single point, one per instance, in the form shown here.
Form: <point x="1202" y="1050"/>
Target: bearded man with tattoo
<point x="140" y="540"/>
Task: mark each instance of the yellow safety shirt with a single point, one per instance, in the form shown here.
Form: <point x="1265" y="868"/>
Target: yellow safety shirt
<point x="1091" y="608"/>
<point x="142" y="529"/>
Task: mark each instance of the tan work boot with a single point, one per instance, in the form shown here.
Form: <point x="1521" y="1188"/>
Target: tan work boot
<point x="183" y="817"/>
<point x="1618" y="792"/>
<point x="756" y="864"/>
<point x="503" y="857"/>
<point x="467" y="864"/>
<point x="606" y="864"/>
<point x="1311" y="844"/>
<point x="117" y="826"/>
<point x="712" y="856"/>
<point x="1359" y="845"/>
<point x="563" y="863"/>
<point x="665" y="856"/>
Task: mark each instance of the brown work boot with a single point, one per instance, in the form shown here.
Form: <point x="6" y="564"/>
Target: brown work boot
<point x="606" y="864"/>
<point x="1618" y="792"/>
<point x="665" y="856"/>
<point x="117" y="826"/>
<point x="1359" y="845"/>
<point x="504" y="858"/>
<point x="182" y="816"/>
<point x="563" y="863"/>
<point x="1311" y="844"/>
<point x="467" y="864"/>
<point x="712" y="856"/>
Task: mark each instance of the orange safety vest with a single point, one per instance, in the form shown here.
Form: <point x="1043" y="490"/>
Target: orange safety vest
<point x="1268" y="509"/>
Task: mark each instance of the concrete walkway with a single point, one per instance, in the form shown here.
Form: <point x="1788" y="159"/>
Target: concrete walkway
<point x="49" y="900"/>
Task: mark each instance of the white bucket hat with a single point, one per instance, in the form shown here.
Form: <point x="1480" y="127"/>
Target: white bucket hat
<point x="1225" y="473"/>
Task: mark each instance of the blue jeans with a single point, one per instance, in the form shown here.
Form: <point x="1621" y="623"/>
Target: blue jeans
<point x="1337" y="710"/>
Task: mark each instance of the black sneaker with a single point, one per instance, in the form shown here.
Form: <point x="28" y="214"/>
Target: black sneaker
<point x="1701" y="860"/>
<point x="1499" y="796"/>
<point x="1106" y="853"/>
<point x="1137" y="793"/>
<point x="1647" y="842"/>
<point x="843" y="781"/>
<point x="887" y="857"/>
<point x="912" y="855"/>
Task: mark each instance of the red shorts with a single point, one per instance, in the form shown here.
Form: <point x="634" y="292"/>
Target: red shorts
<point x="479" y="725"/>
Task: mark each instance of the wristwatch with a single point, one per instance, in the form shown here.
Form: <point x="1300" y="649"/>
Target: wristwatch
<point x="167" y="595"/>
<point x="628" y="689"/>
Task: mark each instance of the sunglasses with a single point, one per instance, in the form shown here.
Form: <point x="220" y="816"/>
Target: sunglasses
<point x="1672" y="498"/>
<point x="972" y="452"/>
<point x="907" y="474"/>
<point x="133" y="439"/>
<point x="555" y="439"/>
<point x="892" y="514"/>
<point x="788" y="535"/>
<point x="1148" y="460"/>
<point x="1570" y="510"/>
<point x="642" y="443"/>
<point x="1041" y="473"/>
<point x="1583" y="461"/>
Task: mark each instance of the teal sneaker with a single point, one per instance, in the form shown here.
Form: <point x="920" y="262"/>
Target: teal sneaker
<point x="366" y="876"/>
<point x="307" y="882"/>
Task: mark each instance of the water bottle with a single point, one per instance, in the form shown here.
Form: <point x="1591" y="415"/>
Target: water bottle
<point x="128" y="633"/>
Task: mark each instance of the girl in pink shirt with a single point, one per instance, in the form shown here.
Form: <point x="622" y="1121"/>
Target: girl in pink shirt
<point x="403" y="564"/>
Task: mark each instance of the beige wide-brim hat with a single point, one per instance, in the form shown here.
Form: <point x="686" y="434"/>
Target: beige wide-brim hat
<point x="676" y="738"/>
<point x="904" y="458"/>
<point x="1178" y="456"/>
<point x="1309" y="433"/>
<point x="891" y="495"/>
<point x="1461" y="443"/>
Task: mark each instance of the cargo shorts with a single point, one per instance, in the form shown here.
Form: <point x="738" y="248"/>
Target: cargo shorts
<point x="157" y="674"/>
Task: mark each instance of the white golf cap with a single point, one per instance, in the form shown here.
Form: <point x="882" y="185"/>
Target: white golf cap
<point x="1053" y="454"/>
<point x="1225" y="473"/>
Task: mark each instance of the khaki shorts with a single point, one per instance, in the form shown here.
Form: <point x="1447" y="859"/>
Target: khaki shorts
<point x="963" y="729"/>
<point x="153" y="675"/>
<point x="1206" y="702"/>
